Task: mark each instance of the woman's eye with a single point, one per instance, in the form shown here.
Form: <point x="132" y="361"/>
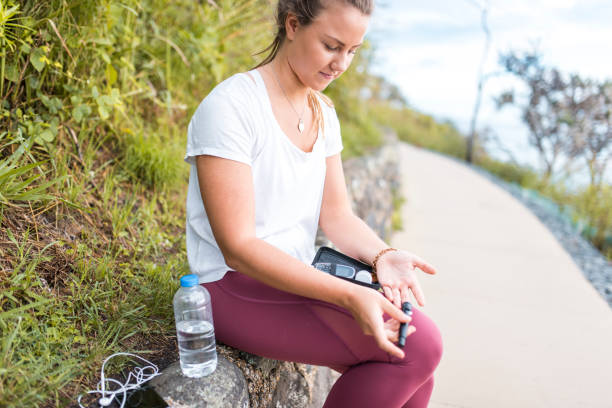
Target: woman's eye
<point x="330" y="48"/>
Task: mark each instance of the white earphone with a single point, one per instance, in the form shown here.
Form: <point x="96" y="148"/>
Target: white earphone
<point x="139" y="374"/>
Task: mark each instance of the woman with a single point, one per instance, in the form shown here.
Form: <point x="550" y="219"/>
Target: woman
<point x="266" y="171"/>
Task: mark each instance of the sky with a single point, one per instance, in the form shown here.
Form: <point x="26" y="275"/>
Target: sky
<point x="432" y="51"/>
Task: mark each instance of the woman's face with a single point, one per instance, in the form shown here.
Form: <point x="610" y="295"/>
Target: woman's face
<point x="323" y="50"/>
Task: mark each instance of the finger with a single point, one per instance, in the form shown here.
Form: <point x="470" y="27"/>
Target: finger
<point x="392" y="325"/>
<point x="392" y="335"/>
<point x="388" y="292"/>
<point x="397" y="300"/>
<point x="394" y="312"/>
<point x="424" y="266"/>
<point x="418" y="293"/>
<point x="385" y="344"/>
<point x="405" y="294"/>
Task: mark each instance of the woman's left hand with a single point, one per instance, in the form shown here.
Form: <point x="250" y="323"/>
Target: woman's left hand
<point x="396" y="274"/>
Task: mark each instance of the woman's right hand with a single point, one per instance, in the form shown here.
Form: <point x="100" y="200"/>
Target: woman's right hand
<point x="367" y="307"/>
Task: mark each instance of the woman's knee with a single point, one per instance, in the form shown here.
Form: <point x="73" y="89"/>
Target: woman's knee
<point x="424" y="346"/>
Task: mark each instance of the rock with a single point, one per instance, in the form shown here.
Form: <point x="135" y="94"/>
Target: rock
<point x="324" y="379"/>
<point x="372" y="181"/>
<point x="303" y="386"/>
<point x="293" y="389"/>
<point x="265" y="365"/>
<point x="225" y="388"/>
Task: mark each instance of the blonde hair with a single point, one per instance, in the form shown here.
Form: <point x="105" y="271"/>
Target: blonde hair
<point x="306" y="11"/>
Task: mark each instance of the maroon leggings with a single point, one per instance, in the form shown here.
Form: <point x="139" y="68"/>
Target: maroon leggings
<point x="268" y="322"/>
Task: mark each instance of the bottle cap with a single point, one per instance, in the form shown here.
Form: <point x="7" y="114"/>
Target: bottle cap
<point x="190" y="280"/>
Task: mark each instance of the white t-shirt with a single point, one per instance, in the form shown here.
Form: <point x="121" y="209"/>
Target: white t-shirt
<point x="235" y="121"/>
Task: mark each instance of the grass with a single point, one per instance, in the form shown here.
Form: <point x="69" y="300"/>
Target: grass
<point x="91" y="290"/>
<point x="91" y="207"/>
<point x="17" y="184"/>
<point x="421" y="130"/>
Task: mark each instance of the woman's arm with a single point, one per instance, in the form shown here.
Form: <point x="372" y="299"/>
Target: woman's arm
<point x="395" y="270"/>
<point x="348" y="232"/>
<point x="228" y="196"/>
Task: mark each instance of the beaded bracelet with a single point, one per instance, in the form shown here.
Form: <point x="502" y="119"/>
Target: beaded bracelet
<point x="378" y="255"/>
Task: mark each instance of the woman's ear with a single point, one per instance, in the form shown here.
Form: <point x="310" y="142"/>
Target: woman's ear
<point x="291" y="26"/>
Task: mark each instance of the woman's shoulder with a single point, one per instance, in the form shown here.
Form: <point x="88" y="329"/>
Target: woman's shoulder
<point x="236" y="93"/>
<point x="238" y="85"/>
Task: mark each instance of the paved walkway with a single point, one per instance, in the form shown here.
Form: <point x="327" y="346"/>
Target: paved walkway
<point x="521" y="326"/>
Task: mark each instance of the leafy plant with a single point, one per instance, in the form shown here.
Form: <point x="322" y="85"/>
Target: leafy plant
<point x="594" y="213"/>
<point x="9" y="24"/>
<point x="15" y="183"/>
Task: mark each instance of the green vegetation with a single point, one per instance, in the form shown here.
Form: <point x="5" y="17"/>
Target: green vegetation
<point x="397" y="223"/>
<point x="510" y="172"/>
<point x="95" y="101"/>
<point x="592" y="206"/>
<point x="360" y="126"/>
<point x="588" y="208"/>
<point x="422" y="130"/>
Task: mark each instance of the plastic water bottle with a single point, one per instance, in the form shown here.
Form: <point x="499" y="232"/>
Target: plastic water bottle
<point x="194" y="328"/>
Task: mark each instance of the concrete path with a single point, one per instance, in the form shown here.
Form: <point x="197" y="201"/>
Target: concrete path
<point x="521" y="326"/>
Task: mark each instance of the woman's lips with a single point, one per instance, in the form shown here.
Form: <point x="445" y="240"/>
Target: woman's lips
<point x="326" y="76"/>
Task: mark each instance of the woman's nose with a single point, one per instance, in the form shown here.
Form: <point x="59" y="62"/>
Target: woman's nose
<point x="340" y="63"/>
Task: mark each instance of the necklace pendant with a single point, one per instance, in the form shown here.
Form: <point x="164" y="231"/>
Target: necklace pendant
<point x="301" y="126"/>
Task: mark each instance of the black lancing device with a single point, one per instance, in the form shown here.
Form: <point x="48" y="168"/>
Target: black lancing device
<point x="407" y="309"/>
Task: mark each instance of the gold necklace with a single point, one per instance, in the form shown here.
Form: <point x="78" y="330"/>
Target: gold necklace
<point x="300" y="125"/>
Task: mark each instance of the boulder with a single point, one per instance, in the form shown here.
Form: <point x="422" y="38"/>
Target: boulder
<point x="224" y="388"/>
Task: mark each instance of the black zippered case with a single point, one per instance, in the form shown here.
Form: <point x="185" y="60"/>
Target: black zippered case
<point x="329" y="255"/>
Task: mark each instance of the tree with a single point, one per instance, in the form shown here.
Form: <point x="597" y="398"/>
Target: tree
<point x="546" y="112"/>
<point x="591" y="125"/>
<point x="471" y="140"/>
<point x="566" y="116"/>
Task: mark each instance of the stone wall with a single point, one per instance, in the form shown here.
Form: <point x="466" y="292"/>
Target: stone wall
<point x="243" y="380"/>
<point x="372" y="182"/>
